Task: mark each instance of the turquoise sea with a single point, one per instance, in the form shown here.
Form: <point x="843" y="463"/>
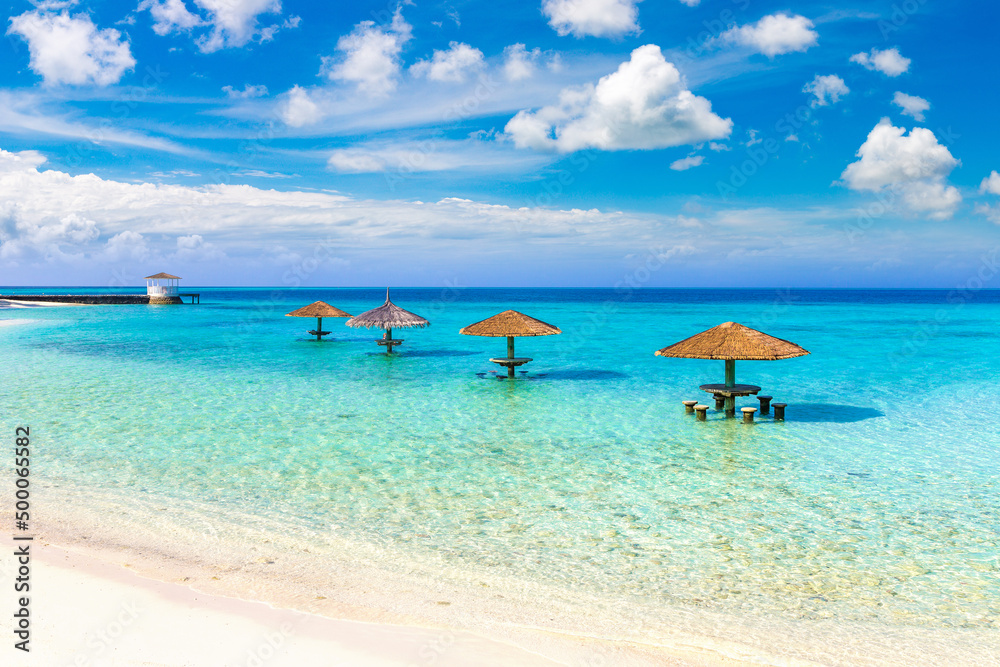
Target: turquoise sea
<point x="877" y="502"/>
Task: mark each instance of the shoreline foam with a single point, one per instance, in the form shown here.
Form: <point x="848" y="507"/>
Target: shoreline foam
<point x="18" y="303"/>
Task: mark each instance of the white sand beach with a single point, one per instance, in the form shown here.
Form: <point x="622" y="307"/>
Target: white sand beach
<point x="17" y="303"/>
<point x="87" y="611"/>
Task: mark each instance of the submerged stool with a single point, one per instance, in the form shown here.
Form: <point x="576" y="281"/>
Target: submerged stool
<point x="779" y="411"/>
<point x="748" y="415"/>
<point x="720" y="401"/>
<point x="689" y="406"/>
<point x="701" y="410"/>
<point x="765" y="404"/>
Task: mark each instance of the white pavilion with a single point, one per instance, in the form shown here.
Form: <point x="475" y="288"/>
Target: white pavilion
<point x="162" y="284"/>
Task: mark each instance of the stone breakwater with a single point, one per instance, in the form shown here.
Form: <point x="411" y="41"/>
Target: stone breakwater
<point x="94" y="299"/>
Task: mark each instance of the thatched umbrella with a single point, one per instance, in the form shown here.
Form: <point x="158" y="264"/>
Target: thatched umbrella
<point x="511" y="324"/>
<point x="388" y="316"/>
<point x="319" y="310"/>
<point x="731" y="341"/>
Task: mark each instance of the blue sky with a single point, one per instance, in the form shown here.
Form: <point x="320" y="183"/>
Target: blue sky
<point x="555" y="142"/>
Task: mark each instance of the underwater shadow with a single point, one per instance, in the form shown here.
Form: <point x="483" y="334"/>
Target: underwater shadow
<point x="437" y="353"/>
<point x="588" y="374"/>
<point x="830" y="413"/>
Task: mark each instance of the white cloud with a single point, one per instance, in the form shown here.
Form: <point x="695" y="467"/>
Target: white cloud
<point x="170" y="16"/>
<point x="298" y="109"/>
<point x="644" y="104"/>
<point x="992" y="213"/>
<point x="911" y="105"/>
<point x="70" y="49"/>
<point x="691" y="3"/>
<point x="718" y="147"/>
<point x="597" y="18"/>
<point x="915" y="166"/>
<point x="827" y="89"/>
<point x="22" y="114"/>
<point x="409" y="157"/>
<point x="234" y="22"/>
<point x="22" y="161"/>
<point x="888" y="61"/>
<point x="127" y="245"/>
<point x="452" y="65"/>
<point x="356" y="162"/>
<point x="519" y="63"/>
<point x="773" y="35"/>
<point x="991" y="184"/>
<point x="248" y="92"/>
<point x="231" y="23"/>
<point x="687" y="163"/>
<point x="371" y="56"/>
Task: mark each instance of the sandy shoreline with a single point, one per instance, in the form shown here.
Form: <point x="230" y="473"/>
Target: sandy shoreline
<point x="88" y="611"/>
<point x="91" y="612"/>
<point x="230" y="598"/>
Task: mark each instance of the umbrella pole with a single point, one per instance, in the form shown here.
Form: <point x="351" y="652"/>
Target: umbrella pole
<point x="730" y="405"/>
<point x="510" y="355"/>
<point x="319" y="328"/>
<point x="388" y="334"/>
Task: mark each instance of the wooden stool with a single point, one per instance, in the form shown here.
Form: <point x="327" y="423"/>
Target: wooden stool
<point x="689" y="406"/>
<point x="701" y="410"/>
<point x="748" y="415"/>
<point x="720" y="401"/>
<point x="765" y="404"/>
<point x="779" y="411"/>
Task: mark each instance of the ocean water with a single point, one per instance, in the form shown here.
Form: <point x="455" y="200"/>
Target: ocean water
<point x="876" y="502"/>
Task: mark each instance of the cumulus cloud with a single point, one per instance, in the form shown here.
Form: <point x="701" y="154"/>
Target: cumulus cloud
<point x="911" y="105"/>
<point x="596" y="18"/>
<point x="170" y="16"/>
<point x="370" y="56"/>
<point x="453" y="65"/>
<point x="519" y="62"/>
<point x="991" y="184"/>
<point x="827" y="89"/>
<point x="687" y="163"/>
<point x="889" y="61"/>
<point x="914" y="165"/>
<point x="298" y="109"/>
<point x="773" y="35"/>
<point x="230" y="23"/>
<point x="22" y="161"/>
<point x="248" y="92"/>
<point x="644" y="104"/>
<point x="70" y="49"/>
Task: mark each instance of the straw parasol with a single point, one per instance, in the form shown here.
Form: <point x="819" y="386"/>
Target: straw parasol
<point x="731" y="341"/>
<point x="511" y="324"/>
<point x="388" y="316"/>
<point x="319" y="310"/>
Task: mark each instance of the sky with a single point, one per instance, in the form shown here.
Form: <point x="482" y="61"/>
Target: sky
<point x="599" y="143"/>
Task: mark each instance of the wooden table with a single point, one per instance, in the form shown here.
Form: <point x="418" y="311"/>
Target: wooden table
<point x="510" y="363"/>
<point x="730" y="393"/>
<point x="389" y="342"/>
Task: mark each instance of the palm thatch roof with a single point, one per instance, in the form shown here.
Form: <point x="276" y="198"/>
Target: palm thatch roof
<point x="387" y="316"/>
<point x="510" y="323"/>
<point x="731" y="340"/>
<point x="161" y="276"/>
<point x="318" y="309"/>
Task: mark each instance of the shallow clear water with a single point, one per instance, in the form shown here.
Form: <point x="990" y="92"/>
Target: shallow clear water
<point x="878" y="500"/>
